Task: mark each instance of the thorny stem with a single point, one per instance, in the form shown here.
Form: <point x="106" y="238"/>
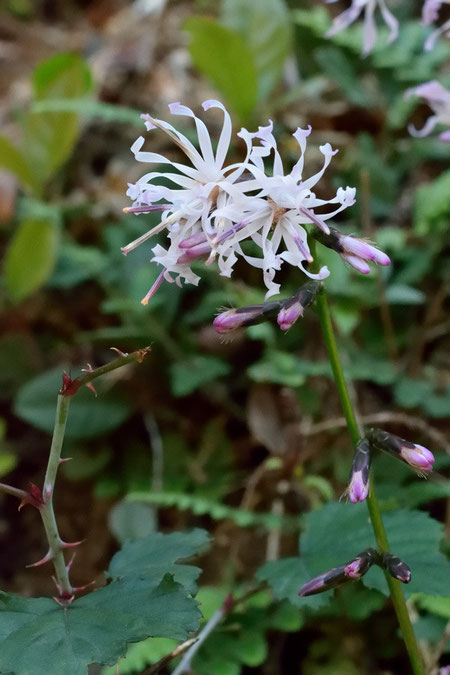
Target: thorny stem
<point x="395" y="589"/>
<point x="46" y="510"/>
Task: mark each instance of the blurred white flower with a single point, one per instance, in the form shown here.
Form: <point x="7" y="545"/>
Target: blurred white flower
<point x="430" y="14"/>
<point x="350" y="15"/>
<point x="438" y="98"/>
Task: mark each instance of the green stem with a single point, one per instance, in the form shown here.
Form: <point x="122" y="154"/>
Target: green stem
<point x="395" y="589"/>
<point x="47" y="512"/>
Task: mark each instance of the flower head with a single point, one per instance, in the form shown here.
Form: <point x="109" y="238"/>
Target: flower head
<point x="355" y="252"/>
<point x="350" y="15"/>
<point x="354" y="569"/>
<point x="438" y="98"/>
<point x="274" y="219"/>
<point x="418" y="457"/>
<point x="358" y="487"/>
<point x="430" y="13"/>
<point x="196" y="191"/>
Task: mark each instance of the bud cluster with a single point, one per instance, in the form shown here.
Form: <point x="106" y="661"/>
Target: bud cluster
<point x="416" y="456"/>
<point x="355" y="569"/>
<point x="286" y="311"/>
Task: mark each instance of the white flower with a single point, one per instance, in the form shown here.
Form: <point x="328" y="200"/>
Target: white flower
<point x="350" y="15"/>
<point x="438" y="98"/>
<point x="185" y="208"/>
<point x="274" y="218"/>
<point x="430" y="13"/>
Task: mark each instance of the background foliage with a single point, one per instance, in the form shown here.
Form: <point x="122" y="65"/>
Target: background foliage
<point x="244" y="438"/>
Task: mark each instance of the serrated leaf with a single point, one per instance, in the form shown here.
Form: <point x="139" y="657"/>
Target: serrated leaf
<point x="266" y="28"/>
<point x="35" y="403"/>
<point x="224" y="57"/>
<point x="93" y="629"/>
<point x="337" y="532"/>
<point x="157" y="554"/>
<point x="187" y="376"/>
<point x="30" y="257"/>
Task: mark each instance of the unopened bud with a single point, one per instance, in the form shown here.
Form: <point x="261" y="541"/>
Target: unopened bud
<point x="361" y="564"/>
<point x="418" y="457"/>
<point x="358" y="487"/>
<point x="294" y="307"/>
<point x="396" y="567"/>
<point x="356" y="252"/>
<point x="233" y="319"/>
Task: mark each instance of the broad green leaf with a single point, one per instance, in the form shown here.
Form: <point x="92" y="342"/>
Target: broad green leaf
<point x="132" y="520"/>
<point x="266" y="28"/>
<point x="12" y="159"/>
<point x="30" y="257"/>
<point x="279" y="368"/>
<point x="76" y="264"/>
<point x="50" y="136"/>
<point x="88" y="416"/>
<point x="188" y="376"/>
<point x="286" y="576"/>
<point x="157" y="554"/>
<point x="432" y="206"/>
<point x="337" y="532"/>
<point x="141" y="654"/>
<point x="93" y="629"/>
<point x="225" y="58"/>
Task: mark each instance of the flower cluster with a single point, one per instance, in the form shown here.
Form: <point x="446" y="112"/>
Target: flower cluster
<point x="254" y="209"/>
<point x="416" y="456"/>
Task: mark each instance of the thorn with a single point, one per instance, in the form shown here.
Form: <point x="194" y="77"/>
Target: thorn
<point x="58" y="587"/>
<point x="90" y="386"/>
<point x="64" y="459"/>
<point x="66" y="544"/>
<point x="65" y="600"/>
<point x="47" y="557"/>
<point x="89" y="369"/>
<point x="78" y="589"/>
<point x="69" y="564"/>
<point x="118" y="351"/>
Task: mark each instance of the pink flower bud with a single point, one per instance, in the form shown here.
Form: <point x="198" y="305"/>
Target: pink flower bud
<point x="358" y="487"/>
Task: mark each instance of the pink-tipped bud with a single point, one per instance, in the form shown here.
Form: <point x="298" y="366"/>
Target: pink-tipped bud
<point x="356" y="568"/>
<point x="416" y="456"/>
<point x="356" y="252"/>
<point x="396" y="567"/>
<point x="358" y="487"/>
<point x="294" y="307"/>
<point x="233" y="319"/>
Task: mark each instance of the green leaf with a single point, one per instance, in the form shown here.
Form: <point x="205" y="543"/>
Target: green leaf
<point x="141" y="654"/>
<point x="30" y="257"/>
<point x="76" y="264"/>
<point x="14" y="161"/>
<point x="157" y="554"/>
<point x="93" y="629"/>
<point x="337" y="532"/>
<point x="187" y="376"/>
<point x="266" y="28"/>
<point x="279" y="368"/>
<point x="224" y="57"/>
<point x="432" y="206"/>
<point x="8" y="462"/>
<point x="434" y="604"/>
<point x="88" y="416"/>
<point x="108" y="112"/>
<point x="401" y="294"/>
<point x="51" y="136"/>
<point x="341" y="71"/>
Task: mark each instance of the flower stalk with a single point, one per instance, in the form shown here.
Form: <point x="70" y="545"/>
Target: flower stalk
<point x="395" y="589"/>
